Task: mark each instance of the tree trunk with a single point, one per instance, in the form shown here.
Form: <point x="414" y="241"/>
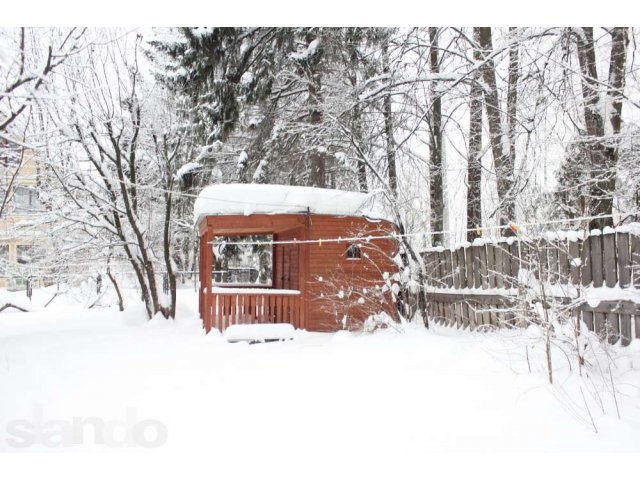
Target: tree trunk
<point x="512" y="100"/>
<point x="171" y="313"/>
<point x="317" y="159"/>
<point x="116" y="287"/>
<point x="474" y="166"/>
<point x="356" y="129"/>
<point x="357" y="134"/>
<point x="617" y="70"/>
<point x="617" y="66"/>
<point x="602" y="157"/>
<point x="388" y="125"/>
<point x="503" y="166"/>
<point x="435" y="147"/>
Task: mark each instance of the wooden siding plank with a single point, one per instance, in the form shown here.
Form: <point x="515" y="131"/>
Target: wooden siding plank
<point x="585" y="267"/>
<point x="484" y="275"/>
<point x="498" y="262"/>
<point x="543" y="261"/>
<point x="609" y="259"/>
<point x="514" y="251"/>
<point x="624" y="260"/>
<point x="455" y="269"/>
<point x="554" y="262"/>
<point x="587" y="318"/>
<point x="506" y="265"/>
<point x="491" y="265"/>
<point x="625" y="330"/>
<point x="600" y="324"/>
<point x="528" y="259"/>
<point x="477" y="269"/>
<point x="563" y="262"/>
<point x="448" y="268"/>
<point x="635" y="260"/>
<point x="224" y="299"/>
<point x="613" y="327"/>
<point x="462" y="276"/>
<point x="468" y="255"/>
<point x="574" y="262"/>
<point x="466" y="315"/>
<point x="596" y="261"/>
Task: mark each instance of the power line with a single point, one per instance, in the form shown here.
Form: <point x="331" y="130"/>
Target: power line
<point x="423" y="233"/>
<point x="368" y="238"/>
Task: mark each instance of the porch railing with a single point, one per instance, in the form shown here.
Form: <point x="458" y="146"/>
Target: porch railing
<point x="232" y="306"/>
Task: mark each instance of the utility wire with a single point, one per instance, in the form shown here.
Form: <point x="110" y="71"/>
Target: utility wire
<point x="424" y="233"/>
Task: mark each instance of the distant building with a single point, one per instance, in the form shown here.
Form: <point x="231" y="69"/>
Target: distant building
<point x="22" y="244"/>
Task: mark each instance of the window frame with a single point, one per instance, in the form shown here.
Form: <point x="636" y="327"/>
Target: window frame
<point x="354" y="252"/>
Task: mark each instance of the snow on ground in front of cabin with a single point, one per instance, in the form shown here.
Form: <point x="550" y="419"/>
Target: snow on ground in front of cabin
<point x="260" y="332"/>
<point x="367" y="399"/>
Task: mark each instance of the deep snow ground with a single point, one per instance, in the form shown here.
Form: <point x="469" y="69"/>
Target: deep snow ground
<point x="389" y="396"/>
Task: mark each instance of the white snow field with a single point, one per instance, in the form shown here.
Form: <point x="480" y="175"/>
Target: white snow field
<point x="352" y="397"/>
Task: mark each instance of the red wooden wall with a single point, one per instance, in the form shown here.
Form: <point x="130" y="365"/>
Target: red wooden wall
<point x="331" y="285"/>
<point x="330" y="272"/>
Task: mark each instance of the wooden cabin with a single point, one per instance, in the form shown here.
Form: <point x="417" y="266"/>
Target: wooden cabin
<point x="328" y="268"/>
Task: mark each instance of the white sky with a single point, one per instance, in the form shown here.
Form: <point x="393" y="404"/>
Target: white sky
<point x="290" y="12"/>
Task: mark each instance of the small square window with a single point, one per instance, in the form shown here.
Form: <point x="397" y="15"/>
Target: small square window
<point x="354" y="252"/>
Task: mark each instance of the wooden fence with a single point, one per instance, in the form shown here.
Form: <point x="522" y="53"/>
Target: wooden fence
<point x="482" y="285"/>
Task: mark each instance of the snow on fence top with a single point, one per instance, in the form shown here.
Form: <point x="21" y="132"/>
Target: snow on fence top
<point x="248" y="199"/>
<point x="632" y="228"/>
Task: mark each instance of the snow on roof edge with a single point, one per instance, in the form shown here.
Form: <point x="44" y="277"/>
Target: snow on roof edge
<point x="251" y="198"/>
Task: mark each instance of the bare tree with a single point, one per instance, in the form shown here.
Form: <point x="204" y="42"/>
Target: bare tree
<point x="512" y="97"/>
<point x="435" y="146"/>
<point x="388" y="122"/>
<point x="501" y="159"/>
<point x="28" y="62"/>
<point x="118" y="165"/>
<point x="30" y="57"/>
<point x="474" y="162"/>
<point x="602" y="154"/>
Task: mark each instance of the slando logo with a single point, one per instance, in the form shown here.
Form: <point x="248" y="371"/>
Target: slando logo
<point x="53" y="433"/>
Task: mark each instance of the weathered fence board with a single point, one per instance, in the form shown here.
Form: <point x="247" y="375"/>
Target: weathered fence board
<point x="624" y="260"/>
<point x="609" y="260"/>
<point x="635" y="260"/>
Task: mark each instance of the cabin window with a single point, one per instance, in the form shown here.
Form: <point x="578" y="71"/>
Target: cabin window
<point x="354" y="252"/>
<point x="243" y="260"/>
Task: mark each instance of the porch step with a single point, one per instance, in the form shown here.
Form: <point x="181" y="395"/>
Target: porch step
<point x="259" y="332"/>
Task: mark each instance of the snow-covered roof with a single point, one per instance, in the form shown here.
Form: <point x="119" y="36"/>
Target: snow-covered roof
<point x="248" y="199"/>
